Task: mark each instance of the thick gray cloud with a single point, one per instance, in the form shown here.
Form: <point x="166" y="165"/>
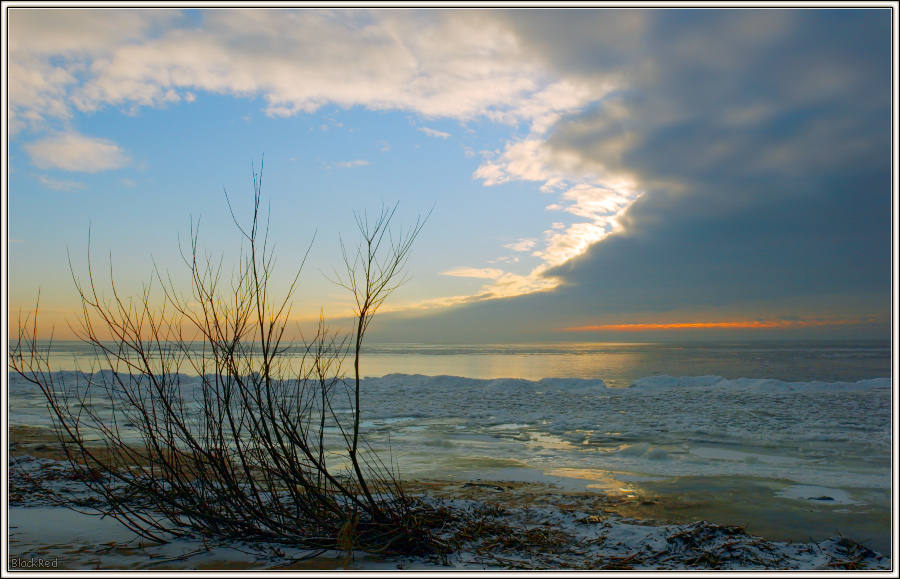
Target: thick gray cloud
<point x="673" y="254"/>
<point x="709" y="102"/>
<point x="768" y="165"/>
<point x="762" y="142"/>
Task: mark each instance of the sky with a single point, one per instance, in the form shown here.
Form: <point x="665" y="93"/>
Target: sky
<point x="587" y="175"/>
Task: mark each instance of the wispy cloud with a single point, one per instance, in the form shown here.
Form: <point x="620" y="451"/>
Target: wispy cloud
<point x="75" y="152"/>
<point x="609" y="98"/>
<point x="486" y="273"/>
<point x="434" y="133"/>
<point x="435" y="64"/>
<point x="504" y="285"/>
<point x="521" y="245"/>
<point x="58" y="185"/>
<point x="348" y="164"/>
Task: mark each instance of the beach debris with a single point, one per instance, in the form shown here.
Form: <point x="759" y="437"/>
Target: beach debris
<point x="488" y="486"/>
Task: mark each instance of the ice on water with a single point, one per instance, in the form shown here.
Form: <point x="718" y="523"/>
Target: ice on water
<point x="834" y="434"/>
<point x="828" y="443"/>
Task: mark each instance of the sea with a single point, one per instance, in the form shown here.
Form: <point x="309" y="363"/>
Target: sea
<point x="618" y="364"/>
<point x="792" y="438"/>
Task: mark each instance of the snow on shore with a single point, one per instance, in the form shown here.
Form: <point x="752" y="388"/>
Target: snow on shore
<point x="562" y="532"/>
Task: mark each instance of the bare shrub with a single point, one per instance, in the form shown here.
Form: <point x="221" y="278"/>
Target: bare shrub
<point x="191" y="420"/>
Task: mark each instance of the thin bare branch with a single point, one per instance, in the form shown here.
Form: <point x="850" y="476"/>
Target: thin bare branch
<point x="192" y="418"/>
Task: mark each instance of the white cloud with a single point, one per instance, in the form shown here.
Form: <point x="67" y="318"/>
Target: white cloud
<point x="51" y="51"/>
<point x="58" y="185"/>
<point x="505" y="259"/>
<point x="488" y="273"/>
<point x="521" y="245"/>
<point x="81" y="32"/>
<point x="455" y="64"/>
<point x="504" y="285"/>
<point x="562" y="246"/>
<point x="527" y="159"/>
<point x="75" y="152"/>
<point x="347" y="164"/>
<point x="37" y="91"/>
<point x="595" y="202"/>
<point x="436" y="64"/>
<point x="593" y="193"/>
<point x="434" y="133"/>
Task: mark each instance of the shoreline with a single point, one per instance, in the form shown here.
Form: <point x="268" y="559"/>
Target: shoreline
<point x="513" y="489"/>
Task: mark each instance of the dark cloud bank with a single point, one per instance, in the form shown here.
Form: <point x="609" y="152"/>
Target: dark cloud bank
<point x="763" y="142"/>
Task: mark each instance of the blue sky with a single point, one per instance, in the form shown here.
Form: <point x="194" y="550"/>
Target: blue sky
<point x="591" y="175"/>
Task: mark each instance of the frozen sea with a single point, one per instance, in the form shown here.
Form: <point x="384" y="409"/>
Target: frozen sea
<point x="794" y="438"/>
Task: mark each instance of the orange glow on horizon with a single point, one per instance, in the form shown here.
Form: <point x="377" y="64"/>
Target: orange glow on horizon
<point x="742" y="325"/>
